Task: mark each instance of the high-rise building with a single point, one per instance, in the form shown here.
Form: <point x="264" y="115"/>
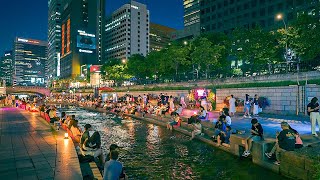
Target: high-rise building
<point x="225" y="15"/>
<point x="82" y="24"/>
<point x="29" y="62"/>
<point x="127" y="31"/>
<point x="191" y="17"/>
<point x="6" y="67"/>
<point x="159" y="36"/>
<point x="54" y="38"/>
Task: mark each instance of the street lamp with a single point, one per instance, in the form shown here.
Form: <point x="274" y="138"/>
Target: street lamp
<point x="123" y="61"/>
<point x="280" y="17"/>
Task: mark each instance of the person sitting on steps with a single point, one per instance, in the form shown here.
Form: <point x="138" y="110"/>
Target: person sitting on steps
<point x="256" y="135"/>
<point x="197" y="129"/>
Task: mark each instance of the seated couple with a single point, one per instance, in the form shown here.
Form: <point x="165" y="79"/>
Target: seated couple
<point x="222" y="131"/>
<point x="90" y="143"/>
<point x="201" y="115"/>
<point x="287" y="140"/>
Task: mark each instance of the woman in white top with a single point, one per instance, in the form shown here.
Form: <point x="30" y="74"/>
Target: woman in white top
<point x="171" y="104"/>
<point x="232" y="105"/>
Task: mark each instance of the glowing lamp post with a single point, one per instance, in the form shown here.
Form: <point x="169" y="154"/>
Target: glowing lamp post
<point x="280" y="17"/>
<point x="66" y="136"/>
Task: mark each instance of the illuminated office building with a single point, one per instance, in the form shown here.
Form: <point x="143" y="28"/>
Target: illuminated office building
<point x="6" y="67"/>
<point x="159" y="36"/>
<point x="127" y="31"/>
<point x="30" y="57"/>
<point x="54" y="38"/>
<point x="226" y="15"/>
<point x="82" y="24"/>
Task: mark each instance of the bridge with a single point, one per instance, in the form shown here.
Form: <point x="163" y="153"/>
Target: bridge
<point x="27" y="89"/>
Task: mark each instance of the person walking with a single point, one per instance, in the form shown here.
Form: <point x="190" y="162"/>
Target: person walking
<point x="232" y="105"/>
<point x="313" y="111"/>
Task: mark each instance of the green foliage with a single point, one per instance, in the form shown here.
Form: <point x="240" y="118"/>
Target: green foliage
<point x="116" y="70"/>
<point x="255" y="48"/>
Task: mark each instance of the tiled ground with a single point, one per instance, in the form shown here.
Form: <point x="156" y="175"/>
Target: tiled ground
<point x="29" y="149"/>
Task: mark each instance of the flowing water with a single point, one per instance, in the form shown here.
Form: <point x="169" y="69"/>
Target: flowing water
<point x="152" y="152"/>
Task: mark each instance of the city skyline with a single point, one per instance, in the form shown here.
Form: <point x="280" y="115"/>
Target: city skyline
<point x="30" y="19"/>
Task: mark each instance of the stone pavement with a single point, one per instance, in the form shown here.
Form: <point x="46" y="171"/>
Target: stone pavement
<point x="30" y="150"/>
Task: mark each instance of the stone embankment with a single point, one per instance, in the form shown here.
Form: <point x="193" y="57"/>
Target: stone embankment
<point x="300" y="164"/>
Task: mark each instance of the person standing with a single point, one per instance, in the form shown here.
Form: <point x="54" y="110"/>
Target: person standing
<point x="232" y="105"/>
<point x="247" y="106"/>
<point x="182" y="102"/>
<point x="256" y="105"/>
<point x="313" y="111"/>
<point x="171" y="104"/>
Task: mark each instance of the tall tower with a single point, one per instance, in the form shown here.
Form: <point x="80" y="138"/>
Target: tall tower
<point x="81" y="35"/>
<point x="127" y="31"/>
<point x="54" y="38"/>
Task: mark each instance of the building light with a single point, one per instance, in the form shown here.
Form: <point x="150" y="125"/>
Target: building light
<point x="134" y="7"/>
<point x="83" y="33"/>
<point x="85" y="51"/>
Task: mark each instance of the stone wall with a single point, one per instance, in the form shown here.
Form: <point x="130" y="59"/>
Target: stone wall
<point x="282" y="100"/>
<point x="234" y="80"/>
<point x="174" y="93"/>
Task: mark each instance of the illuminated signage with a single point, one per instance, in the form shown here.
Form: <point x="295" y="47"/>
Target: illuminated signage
<point x="68" y="35"/>
<point x="134" y="7"/>
<point x="83" y="33"/>
<point x="62" y="39"/>
<point x="85" y="51"/>
<point x="7" y="54"/>
<point x="28" y="41"/>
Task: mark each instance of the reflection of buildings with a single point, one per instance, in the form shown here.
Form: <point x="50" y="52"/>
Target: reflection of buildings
<point x="159" y="36"/>
<point x="54" y="38"/>
<point x="29" y="62"/>
<point x="6" y="67"/>
<point x="81" y="35"/>
<point x="127" y="31"/>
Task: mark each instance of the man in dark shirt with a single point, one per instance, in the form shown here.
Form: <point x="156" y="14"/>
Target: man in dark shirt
<point x="256" y="135"/>
<point x="313" y="111"/>
<point x="285" y="141"/>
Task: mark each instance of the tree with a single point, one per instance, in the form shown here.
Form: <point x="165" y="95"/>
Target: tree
<point x="255" y="48"/>
<point x="303" y="37"/>
<point x="137" y="66"/>
<point x="115" y="70"/>
<point x="206" y="54"/>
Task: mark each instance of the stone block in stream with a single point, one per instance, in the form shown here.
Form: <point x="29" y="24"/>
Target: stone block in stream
<point x="259" y="148"/>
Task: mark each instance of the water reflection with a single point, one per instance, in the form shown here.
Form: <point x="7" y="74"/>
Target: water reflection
<point x="152" y="152"/>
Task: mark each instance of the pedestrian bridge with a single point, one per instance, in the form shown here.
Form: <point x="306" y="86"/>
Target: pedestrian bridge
<point x="28" y="89"/>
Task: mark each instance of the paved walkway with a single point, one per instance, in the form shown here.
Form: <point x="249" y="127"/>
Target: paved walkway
<point x="30" y="150"/>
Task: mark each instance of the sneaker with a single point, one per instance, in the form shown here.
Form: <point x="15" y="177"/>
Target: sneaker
<point x="277" y="163"/>
<point x="268" y="155"/>
<point x="245" y="116"/>
<point x="246" y="154"/>
<point x="315" y="135"/>
<point x="249" y="117"/>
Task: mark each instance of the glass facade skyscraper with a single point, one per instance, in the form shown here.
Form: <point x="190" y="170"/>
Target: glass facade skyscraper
<point x="6" y="67"/>
<point x="82" y="24"/>
<point x="54" y="38"/>
<point x="29" y="62"/>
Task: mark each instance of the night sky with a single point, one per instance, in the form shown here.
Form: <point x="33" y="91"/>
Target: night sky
<point x="29" y="18"/>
